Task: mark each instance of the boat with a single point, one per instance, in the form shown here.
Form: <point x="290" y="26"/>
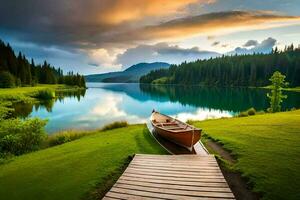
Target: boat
<point x="174" y="130"/>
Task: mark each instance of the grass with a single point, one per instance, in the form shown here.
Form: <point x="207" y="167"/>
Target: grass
<point x="76" y="169"/>
<point x="28" y="91"/>
<point x="115" y="125"/>
<point x="267" y="148"/>
<point x="64" y="137"/>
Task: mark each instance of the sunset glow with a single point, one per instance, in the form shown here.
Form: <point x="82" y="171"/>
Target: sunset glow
<point x="101" y="36"/>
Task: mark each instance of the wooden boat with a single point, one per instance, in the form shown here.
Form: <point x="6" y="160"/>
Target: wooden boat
<point x="174" y="130"/>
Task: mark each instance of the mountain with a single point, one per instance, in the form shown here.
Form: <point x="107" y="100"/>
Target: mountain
<point x="130" y="75"/>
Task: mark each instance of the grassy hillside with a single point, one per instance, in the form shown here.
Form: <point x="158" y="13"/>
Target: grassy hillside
<point x="72" y="170"/>
<point x="267" y="148"/>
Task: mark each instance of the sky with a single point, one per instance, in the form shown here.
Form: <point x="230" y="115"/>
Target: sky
<point x="97" y="36"/>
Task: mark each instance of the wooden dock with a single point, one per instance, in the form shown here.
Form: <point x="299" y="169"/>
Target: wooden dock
<point x="171" y="177"/>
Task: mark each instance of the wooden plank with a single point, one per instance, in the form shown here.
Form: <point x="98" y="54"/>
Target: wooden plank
<point x="175" y="157"/>
<point x="175" y="191"/>
<point x="163" y="181"/>
<point x="158" y="195"/>
<point x="176" y="169"/>
<point x="182" y="165"/>
<point x="171" y="177"/>
<point x="174" y="186"/>
<point x="179" y="166"/>
<point x="110" y="198"/>
<point x="175" y="172"/>
<point x="128" y="171"/>
<point x="117" y="195"/>
<point x="176" y="178"/>
<point x="178" y="162"/>
<point x="172" y="156"/>
<point x="179" y="159"/>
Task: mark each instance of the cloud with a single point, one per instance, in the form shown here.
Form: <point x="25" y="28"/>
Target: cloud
<point x="162" y="52"/>
<point x="216" y="43"/>
<point x="93" y="64"/>
<point x="220" y="22"/>
<point x="211" y="37"/>
<point x="250" y="43"/>
<point x="101" y="57"/>
<point x="265" y="46"/>
<point x="82" y="23"/>
<point x="224" y="45"/>
<point x="119" y="24"/>
<point x="94" y="34"/>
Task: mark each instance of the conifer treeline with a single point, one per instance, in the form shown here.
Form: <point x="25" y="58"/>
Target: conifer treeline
<point x="17" y="71"/>
<point x="237" y="70"/>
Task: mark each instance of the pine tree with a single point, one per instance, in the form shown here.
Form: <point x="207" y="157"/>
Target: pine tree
<point x="276" y="97"/>
<point x="7" y="80"/>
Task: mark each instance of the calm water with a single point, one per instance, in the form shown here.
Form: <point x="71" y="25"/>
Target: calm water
<point x="104" y="103"/>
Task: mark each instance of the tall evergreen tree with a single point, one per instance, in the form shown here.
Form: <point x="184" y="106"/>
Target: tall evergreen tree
<point x="24" y="72"/>
<point x="276" y="97"/>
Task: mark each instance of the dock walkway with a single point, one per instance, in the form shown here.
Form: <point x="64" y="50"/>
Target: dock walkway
<point x="171" y="177"/>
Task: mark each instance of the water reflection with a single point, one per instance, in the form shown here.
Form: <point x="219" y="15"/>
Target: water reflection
<point x="104" y="103"/>
<point x="230" y="99"/>
<point x="23" y="110"/>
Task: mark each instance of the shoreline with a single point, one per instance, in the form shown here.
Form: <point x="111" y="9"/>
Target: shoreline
<point x="293" y="89"/>
<point x="106" y="145"/>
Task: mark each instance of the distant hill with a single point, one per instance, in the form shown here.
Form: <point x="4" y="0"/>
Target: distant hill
<point x="130" y="75"/>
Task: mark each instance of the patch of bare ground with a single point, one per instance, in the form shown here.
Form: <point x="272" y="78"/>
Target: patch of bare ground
<point x="235" y="181"/>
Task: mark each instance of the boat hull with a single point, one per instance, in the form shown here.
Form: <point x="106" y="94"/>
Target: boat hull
<point x="184" y="138"/>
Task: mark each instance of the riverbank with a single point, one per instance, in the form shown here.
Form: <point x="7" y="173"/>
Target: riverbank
<point x="8" y="96"/>
<point x="266" y="150"/>
<point x="85" y="168"/>
<point x="15" y="93"/>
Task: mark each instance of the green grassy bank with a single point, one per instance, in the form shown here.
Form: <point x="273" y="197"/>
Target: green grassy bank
<point x="27" y="92"/>
<point x="72" y="170"/>
<point x="34" y="94"/>
<point x="267" y="148"/>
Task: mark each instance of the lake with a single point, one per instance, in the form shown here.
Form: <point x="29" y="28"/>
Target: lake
<point x="104" y="103"/>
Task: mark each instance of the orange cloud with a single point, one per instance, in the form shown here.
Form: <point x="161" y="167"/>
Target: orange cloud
<point x="212" y="23"/>
<point x="124" y="10"/>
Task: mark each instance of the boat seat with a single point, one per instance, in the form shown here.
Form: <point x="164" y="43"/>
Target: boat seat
<point x="169" y="124"/>
<point x="173" y="128"/>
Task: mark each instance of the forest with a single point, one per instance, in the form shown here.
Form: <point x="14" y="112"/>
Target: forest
<point x="18" y="71"/>
<point x="235" y="70"/>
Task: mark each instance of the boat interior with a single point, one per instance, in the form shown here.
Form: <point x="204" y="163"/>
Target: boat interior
<point x="170" y="124"/>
